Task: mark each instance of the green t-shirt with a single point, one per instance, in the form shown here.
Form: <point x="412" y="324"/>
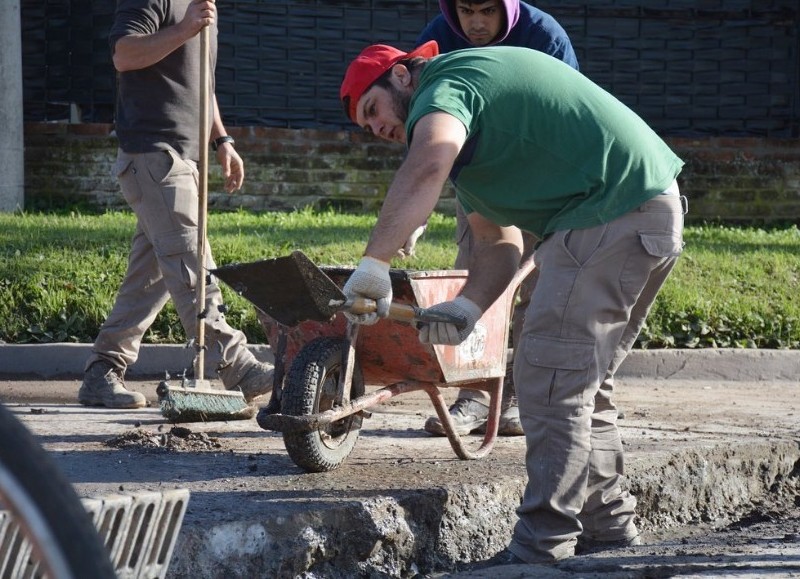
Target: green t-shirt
<point x="547" y="149"/>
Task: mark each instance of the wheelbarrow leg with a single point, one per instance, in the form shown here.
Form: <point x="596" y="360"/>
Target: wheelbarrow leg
<point x="346" y="374"/>
<point x="274" y="405"/>
<point x="495" y="388"/>
<point x="348" y="360"/>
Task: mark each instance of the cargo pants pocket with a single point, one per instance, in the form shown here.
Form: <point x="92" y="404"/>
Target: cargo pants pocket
<point x="655" y="249"/>
<point x="556" y="374"/>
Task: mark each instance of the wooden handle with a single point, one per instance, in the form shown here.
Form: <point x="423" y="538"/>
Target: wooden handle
<point x="403" y="312"/>
<point x="400" y="312"/>
<point x="202" y="204"/>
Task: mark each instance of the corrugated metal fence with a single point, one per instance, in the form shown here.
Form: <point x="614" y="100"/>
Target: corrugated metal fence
<point x="704" y="67"/>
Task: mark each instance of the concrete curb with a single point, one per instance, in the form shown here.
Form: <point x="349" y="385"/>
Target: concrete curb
<point x="50" y="360"/>
<point x="713" y="364"/>
<point x="54" y="360"/>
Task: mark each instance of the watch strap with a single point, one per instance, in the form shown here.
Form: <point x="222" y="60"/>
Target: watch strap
<point x="220" y="140"/>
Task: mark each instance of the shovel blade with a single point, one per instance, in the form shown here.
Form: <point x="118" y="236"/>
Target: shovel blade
<point x="290" y="289"/>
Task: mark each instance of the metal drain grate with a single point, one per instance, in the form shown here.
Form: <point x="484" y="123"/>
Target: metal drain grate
<point x="15" y="551"/>
<point x="140" y="531"/>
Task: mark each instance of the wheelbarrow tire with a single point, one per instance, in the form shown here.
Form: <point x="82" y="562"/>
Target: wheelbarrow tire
<point x="310" y="388"/>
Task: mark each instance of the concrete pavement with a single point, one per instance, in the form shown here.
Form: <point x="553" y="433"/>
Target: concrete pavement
<point x="709" y="437"/>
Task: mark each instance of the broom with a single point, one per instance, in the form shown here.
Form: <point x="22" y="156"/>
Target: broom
<point x="195" y="400"/>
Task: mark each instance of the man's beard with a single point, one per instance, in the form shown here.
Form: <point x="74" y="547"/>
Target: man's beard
<point x="400" y="103"/>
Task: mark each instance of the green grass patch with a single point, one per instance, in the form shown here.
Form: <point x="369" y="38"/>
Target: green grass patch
<point x="59" y="274"/>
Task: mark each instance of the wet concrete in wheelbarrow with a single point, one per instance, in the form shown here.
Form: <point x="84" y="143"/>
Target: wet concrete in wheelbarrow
<point x="705" y="453"/>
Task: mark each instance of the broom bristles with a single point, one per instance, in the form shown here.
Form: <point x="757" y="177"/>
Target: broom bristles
<point x="195" y="404"/>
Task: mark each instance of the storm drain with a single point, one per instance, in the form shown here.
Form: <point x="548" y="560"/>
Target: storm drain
<point x="15" y="551"/>
<point x="139" y="531"/>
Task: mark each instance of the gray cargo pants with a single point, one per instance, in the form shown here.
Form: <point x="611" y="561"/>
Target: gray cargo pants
<point x="594" y="291"/>
<point x="162" y="189"/>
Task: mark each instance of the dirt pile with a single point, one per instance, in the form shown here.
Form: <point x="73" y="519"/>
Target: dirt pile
<point x="177" y="439"/>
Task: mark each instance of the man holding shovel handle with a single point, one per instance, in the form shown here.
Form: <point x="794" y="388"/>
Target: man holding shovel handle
<point x="531" y="144"/>
<point x="157" y="52"/>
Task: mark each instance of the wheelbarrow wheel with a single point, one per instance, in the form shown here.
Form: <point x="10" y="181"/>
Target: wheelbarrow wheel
<point x="310" y="388"/>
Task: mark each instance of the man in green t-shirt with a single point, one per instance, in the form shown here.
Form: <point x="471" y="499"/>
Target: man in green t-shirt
<point x="469" y="24"/>
<point x="531" y="144"/>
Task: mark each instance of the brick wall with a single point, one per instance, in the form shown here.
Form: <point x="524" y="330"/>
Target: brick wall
<point x="750" y="180"/>
<point x="744" y="180"/>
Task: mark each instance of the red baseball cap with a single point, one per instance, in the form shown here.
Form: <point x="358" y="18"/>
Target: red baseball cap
<point x="370" y="65"/>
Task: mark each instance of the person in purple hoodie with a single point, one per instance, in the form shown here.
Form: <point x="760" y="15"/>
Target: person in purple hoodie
<point x="469" y="24"/>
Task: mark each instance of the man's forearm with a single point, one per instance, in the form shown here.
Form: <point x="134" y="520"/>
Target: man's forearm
<point x="411" y="199"/>
<point x="418" y="183"/>
<point x="492" y="265"/>
<point x="217" y="128"/>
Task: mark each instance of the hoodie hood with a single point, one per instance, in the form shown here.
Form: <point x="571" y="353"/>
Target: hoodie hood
<point x="511" y="7"/>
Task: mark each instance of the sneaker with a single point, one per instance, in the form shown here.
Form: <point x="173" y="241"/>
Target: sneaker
<point x="257" y="381"/>
<point x="467" y="415"/>
<point x="509" y="424"/>
<point x="103" y="386"/>
<point x="586" y="545"/>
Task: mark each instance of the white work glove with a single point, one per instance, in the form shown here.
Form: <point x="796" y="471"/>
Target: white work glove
<point x="408" y="249"/>
<point x="444" y="333"/>
<point x="369" y="280"/>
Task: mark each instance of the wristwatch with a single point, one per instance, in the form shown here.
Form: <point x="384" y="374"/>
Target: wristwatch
<point x="223" y="139"/>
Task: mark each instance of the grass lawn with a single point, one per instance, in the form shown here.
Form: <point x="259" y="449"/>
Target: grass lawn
<point x="59" y="273"/>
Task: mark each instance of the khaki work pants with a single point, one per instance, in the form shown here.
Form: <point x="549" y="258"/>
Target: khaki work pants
<point x="594" y="291"/>
<point x="162" y="189"/>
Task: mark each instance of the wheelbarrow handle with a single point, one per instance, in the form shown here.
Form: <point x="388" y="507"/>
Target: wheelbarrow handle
<point x="404" y="312"/>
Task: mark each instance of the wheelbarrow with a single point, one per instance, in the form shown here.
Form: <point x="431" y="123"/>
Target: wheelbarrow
<point x="322" y="365"/>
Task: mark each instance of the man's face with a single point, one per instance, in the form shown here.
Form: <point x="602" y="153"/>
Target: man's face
<point x="383" y="112"/>
<point x="480" y="21"/>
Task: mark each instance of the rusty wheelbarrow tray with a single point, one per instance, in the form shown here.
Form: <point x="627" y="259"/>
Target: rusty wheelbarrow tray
<point x="319" y="399"/>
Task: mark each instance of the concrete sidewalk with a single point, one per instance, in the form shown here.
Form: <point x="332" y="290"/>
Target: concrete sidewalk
<point x="709" y="437"/>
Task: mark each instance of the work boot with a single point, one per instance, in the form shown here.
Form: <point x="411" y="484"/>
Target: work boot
<point x="586" y="545"/>
<point x="103" y="386"/>
<point x="509" y="424"/>
<point x="256" y="381"/>
<point x="504" y="557"/>
<point x="467" y="415"/>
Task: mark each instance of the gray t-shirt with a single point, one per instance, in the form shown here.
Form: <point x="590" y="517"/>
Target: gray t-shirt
<point x="158" y="107"/>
